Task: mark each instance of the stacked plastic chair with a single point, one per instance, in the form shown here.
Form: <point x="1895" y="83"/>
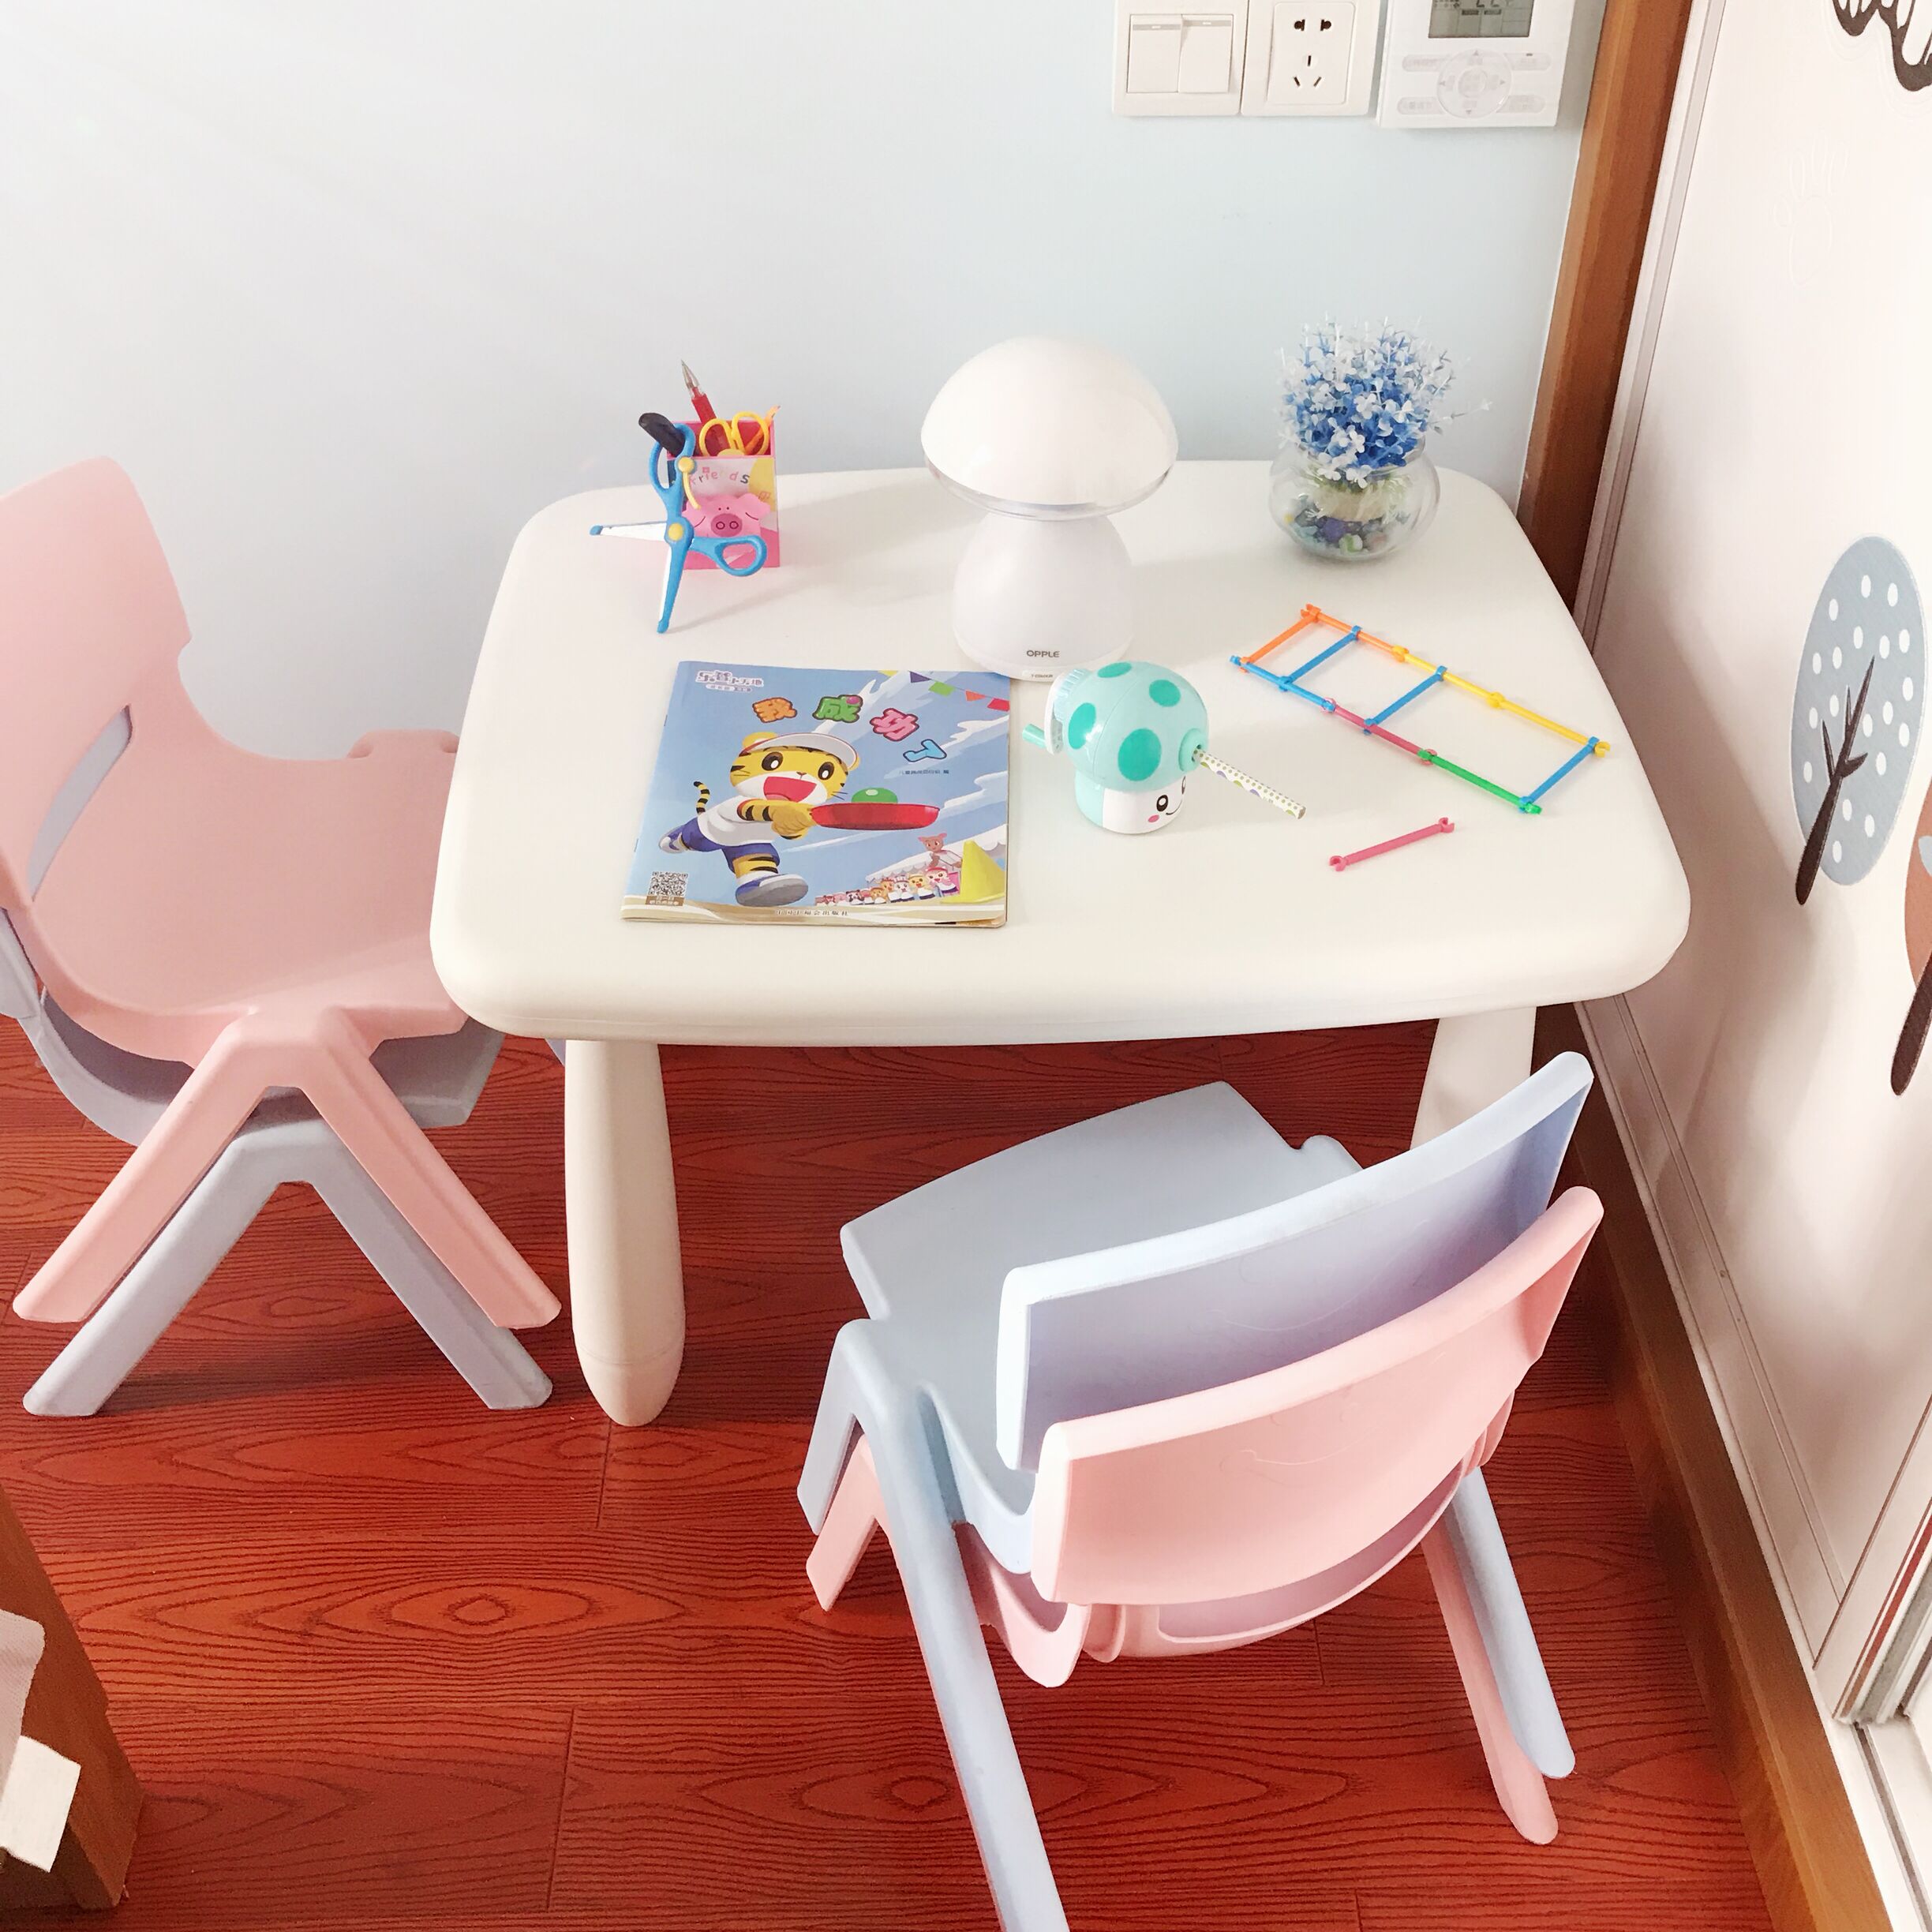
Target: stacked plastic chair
<point x="1159" y="1383"/>
<point x="223" y="960"/>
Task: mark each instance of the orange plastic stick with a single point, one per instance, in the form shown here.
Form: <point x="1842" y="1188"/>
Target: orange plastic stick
<point x="1309" y="615"/>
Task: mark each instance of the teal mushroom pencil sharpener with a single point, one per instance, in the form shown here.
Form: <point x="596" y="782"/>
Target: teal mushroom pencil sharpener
<point x="1135" y="733"/>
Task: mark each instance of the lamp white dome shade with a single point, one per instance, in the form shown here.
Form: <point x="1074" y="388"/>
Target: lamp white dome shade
<point x="1055" y="427"/>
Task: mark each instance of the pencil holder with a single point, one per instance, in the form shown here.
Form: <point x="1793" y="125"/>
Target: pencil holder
<point x="737" y="491"/>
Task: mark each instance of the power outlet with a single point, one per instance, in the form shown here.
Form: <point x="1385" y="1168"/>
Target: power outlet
<point x="1310" y="57"/>
<point x="1309" y="60"/>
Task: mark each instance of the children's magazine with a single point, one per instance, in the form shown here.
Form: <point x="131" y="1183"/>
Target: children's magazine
<point x="876" y="798"/>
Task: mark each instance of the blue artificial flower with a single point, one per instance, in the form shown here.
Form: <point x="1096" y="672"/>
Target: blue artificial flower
<point x="1360" y="402"/>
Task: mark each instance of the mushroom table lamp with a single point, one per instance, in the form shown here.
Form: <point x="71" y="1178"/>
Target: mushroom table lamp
<point x="1049" y="438"/>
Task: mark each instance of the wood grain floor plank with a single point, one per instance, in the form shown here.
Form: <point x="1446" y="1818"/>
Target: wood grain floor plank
<point x="849" y="1815"/>
<point x="1201" y="1796"/>
<point x="327" y="1813"/>
<point x="330" y="1450"/>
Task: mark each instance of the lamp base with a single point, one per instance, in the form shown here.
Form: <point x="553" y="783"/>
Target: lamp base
<point x="1035" y="596"/>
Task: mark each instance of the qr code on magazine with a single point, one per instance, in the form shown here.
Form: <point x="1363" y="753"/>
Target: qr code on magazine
<point x="667" y="889"/>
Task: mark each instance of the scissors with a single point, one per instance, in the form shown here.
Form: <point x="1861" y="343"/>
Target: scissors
<point x="746" y="434"/>
<point x="671" y="478"/>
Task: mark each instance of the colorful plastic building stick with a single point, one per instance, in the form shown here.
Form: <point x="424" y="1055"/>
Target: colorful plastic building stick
<point x="1375" y="727"/>
<point x="1342" y="861"/>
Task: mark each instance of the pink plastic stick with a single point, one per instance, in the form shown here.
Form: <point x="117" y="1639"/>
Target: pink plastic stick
<point x="1342" y="861"/>
<point x="1380" y="730"/>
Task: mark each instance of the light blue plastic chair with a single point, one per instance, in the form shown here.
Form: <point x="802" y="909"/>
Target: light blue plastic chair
<point x="1106" y="1335"/>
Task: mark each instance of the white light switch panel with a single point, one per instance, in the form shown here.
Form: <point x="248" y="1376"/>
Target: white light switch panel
<point x="1311" y="57"/>
<point x="1187" y="62"/>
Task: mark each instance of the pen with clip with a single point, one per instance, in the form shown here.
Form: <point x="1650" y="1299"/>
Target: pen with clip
<point x="700" y="403"/>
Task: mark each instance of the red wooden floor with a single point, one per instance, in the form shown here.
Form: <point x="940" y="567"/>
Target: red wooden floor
<point x="385" y="1660"/>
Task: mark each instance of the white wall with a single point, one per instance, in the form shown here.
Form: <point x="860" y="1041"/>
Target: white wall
<point x="352" y="288"/>
<point x="1785" y="416"/>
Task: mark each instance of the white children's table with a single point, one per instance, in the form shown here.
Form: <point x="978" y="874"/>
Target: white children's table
<point x="1228" y="920"/>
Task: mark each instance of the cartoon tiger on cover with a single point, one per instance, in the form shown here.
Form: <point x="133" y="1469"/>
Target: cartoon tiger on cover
<point x="776" y="779"/>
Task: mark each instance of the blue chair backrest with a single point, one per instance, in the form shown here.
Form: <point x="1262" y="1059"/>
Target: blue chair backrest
<point x="1117" y="1326"/>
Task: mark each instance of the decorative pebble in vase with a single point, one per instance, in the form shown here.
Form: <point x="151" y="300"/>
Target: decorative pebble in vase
<point x="1390" y="506"/>
<point x="1352" y="480"/>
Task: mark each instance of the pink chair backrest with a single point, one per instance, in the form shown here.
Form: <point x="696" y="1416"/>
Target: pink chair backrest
<point x="1263" y="1482"/>
<point x="88" y="615"/>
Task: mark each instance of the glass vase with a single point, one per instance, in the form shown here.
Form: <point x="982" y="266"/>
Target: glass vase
<point x="1353" y="522"/>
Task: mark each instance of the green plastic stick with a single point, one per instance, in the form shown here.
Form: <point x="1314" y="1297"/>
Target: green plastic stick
<point x="1470" y="777"/>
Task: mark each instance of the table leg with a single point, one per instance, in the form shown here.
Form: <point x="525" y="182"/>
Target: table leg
<point x="627" y="1281"/>
<point x="1478" y="1057"/>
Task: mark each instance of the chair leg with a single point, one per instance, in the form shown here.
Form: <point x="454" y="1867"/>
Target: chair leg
<point x="106" y="1350"/>
<point x="1482" y="1558"/>
<point x="849" y="1527"/>
<point x="491" y="1360"/>
<point x="157" y="1176"/>
<point x="947" y="1624"/>
<point x="833" y="1431"/>
<point x="1519" y="1786"/>
<point x="395" y="1153"/>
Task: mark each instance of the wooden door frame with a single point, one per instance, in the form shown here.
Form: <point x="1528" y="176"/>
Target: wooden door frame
<point x="1625" y="133"/>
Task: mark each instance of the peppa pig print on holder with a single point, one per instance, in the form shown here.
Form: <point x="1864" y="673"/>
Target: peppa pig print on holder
<point x="724" y="517"/>
<point x="732" y="485"/>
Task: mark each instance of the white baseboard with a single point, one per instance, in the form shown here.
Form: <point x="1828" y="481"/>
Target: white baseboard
<point x="1810" y="1582"/>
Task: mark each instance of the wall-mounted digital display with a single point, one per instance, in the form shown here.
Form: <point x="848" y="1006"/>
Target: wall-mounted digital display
<point x="1481" y="20"/>
<point x="1475" y="63"/>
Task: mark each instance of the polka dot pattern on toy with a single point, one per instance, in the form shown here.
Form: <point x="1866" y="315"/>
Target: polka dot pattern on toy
<point x="1140" y="755"/>
<point x="1130" y="727"/>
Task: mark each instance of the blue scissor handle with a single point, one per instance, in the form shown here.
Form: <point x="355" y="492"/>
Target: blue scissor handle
<point x="715" y="547"/>
<point x="665" y="477"/>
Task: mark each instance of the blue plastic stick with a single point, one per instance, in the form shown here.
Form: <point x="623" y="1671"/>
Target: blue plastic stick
<point x="1269" y="677"/>
<point x="1562" y="771"/>
<point x="1435" y="677"/>
<point x="1314" y="698"/>
<point x="1321" y="656"/>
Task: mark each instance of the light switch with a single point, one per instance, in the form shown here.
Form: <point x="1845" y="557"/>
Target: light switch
<point x="1207" y="53"/>
<point x="1185" y="62"/>
<point x="1154" y="53"/>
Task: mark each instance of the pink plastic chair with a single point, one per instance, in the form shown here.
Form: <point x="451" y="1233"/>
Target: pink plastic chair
<point x="1159" y="1384"/>
<point x="223" y="943"/>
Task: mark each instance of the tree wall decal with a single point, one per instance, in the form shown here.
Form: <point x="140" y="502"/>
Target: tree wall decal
<point x="1855" y="712"/>
<point x="1911" y="38"/>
